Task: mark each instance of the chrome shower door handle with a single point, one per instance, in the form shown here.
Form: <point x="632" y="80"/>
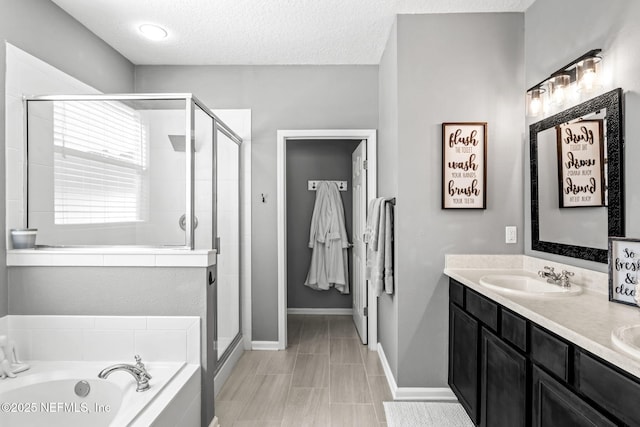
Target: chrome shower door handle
<point x="182" y="222"/>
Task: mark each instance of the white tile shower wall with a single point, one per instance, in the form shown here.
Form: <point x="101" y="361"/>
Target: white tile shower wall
<point x="4" y="325"/>
<point x="167" y="178"/>
<point x="94" y="338"/>
<point x="26" y="75"/>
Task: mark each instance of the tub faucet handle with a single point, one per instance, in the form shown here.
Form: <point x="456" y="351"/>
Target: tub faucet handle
<point x="141" y="366"/>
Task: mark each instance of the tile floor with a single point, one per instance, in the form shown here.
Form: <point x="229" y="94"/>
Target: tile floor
<point x="325" y="378"/>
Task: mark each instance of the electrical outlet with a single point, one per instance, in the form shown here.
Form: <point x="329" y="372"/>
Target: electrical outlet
<point x="511" y="234"/>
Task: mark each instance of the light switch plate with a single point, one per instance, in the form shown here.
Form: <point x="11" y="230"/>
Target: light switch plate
<point x="511" y="234"/>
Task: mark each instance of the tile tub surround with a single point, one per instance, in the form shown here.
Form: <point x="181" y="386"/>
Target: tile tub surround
<point x="111" y="257"/>
<point x="586" y="320"/>
<point x="4" y="325"/>
<point x="102" y="338"/>
<point x="160" y="340"/>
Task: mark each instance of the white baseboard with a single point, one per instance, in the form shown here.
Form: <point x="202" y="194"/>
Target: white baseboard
<point x="413" y="393"/>
<point x="321" y="311"/>
<point x="214" y="422"/>
<point x="224" y="373"/>
<point x="264" y="345"/>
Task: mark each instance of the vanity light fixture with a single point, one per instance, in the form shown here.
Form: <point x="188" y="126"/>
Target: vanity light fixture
<point x="580" y="74"/>
<point x="153" y="32"/>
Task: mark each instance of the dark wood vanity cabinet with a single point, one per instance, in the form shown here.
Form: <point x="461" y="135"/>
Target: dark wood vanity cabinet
<point x="508" y="371"/>
<point x="487" y="375"/>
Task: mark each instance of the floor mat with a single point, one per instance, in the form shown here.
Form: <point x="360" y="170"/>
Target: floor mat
<point x="426" y="414"/>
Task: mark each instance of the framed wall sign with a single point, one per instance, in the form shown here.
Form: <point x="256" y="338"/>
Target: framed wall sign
<point x="624" y="268"/>
<point x="581" y="164"/>
<point x="464" y="165"/>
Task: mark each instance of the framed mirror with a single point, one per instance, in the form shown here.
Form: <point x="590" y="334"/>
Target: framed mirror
<point x="577" y="192"/>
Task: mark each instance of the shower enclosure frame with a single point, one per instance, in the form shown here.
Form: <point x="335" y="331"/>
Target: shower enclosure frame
<point x="191" y="102"/>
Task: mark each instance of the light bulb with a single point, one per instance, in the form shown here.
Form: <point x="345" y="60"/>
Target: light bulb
<point x="559" y="88"/>
<point x="588" y="80"/>
<point x="535" y="106"/>
<point x="558" y="95"/>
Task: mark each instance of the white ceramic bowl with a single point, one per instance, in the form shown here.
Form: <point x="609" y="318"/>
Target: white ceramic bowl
<point x="23" y="238"/>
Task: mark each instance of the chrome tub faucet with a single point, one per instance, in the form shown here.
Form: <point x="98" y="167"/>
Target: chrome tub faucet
<point x="138" y="371"/>
<point x="552" y="277"/>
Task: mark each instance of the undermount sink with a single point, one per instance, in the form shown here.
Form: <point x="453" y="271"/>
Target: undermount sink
<point x="527" y="285"/>
<point x="627" y="339"/>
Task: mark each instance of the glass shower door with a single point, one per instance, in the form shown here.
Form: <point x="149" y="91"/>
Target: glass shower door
<point x="228" y="232"/>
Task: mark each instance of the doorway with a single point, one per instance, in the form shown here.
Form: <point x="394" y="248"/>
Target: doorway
<point x="367" y="156"/>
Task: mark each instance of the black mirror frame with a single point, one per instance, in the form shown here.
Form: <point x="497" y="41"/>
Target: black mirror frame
<point x="612" y="102"/>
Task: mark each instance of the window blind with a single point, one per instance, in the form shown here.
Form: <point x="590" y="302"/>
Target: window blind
<point x="100" y="161"/>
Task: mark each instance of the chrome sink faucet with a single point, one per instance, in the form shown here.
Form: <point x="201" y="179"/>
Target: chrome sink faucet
<point x="138" y="371"/>
<point x="561" y="279"/>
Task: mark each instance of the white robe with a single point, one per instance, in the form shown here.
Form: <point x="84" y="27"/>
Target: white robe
<point x="329" y="241"/>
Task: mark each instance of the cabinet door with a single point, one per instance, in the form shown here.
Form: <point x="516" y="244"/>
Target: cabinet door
<point x="463" y="359"/>
<point x="615" y="392"/>
<point x="504" y="384"/>
<point x="555" y="405"/>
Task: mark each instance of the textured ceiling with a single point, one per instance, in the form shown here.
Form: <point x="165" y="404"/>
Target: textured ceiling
<point x="260" y="31"/>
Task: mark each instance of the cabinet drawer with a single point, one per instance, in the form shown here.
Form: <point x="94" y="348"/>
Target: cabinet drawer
<point x="615" y="392"/>
<point x="514" y="329"/>
<point x="456" y="292"/>
<point x="551" y="352"/>
<point x="484" y="310"/>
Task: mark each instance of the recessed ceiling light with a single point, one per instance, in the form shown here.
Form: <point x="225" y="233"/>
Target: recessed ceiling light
<point x="153" y="32"/>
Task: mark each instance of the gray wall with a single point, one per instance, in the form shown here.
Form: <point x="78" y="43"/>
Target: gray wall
<point x="107" y="291"/>
<point x="280" y="97"/>
<point x="550" y="43"/>
<point x="308" y="160"/>
<point x="46" y="31"/>
<point x="388" y="184"/>
<point x="462" y="67"/>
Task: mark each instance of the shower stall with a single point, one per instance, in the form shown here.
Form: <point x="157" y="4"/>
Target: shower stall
<point x="140" y="171"/>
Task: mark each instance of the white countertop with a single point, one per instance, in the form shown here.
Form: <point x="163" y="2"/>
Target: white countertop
<point x="586" y="320"/>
